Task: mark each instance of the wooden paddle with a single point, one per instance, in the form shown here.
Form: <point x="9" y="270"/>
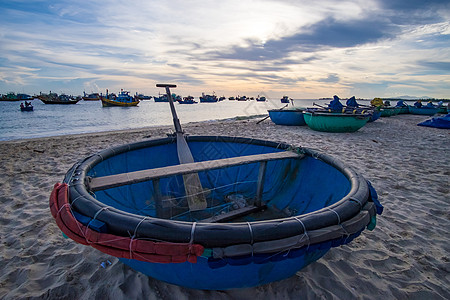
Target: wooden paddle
<point x="269" y="115"/>
<point x="192" y="185"/>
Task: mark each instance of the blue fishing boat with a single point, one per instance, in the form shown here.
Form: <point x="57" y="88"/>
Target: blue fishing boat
<point x="263" y="209"/>
<point x="123" y="99"/>
<point x="285" y="99"/>
<point x="187" y="100"/>
<point x="261" y="98"/>
<point x="288" y="117"/>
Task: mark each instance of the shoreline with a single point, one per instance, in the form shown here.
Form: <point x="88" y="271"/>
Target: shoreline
<point x="405" y="257"/>
<point x="133" y="130"/>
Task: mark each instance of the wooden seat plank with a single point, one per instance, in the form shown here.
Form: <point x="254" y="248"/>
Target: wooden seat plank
<point x="106" y="182"/>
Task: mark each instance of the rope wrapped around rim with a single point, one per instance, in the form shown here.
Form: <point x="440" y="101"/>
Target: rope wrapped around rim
<point x="118" y="246"/>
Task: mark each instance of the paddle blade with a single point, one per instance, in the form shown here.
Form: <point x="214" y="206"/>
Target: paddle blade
<point x="192" y="185"/>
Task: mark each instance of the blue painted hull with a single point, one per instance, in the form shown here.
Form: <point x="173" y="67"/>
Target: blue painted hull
<point x="295" y="193"/>
<point x="375" y="116"/>
<point x="335" y="122"/>
<point x="288" y="117"/>
<point x="201" y="275"/>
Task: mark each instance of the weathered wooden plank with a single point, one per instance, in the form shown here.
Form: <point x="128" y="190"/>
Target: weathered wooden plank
<point x="233" y="214"/>
<point x="106" y="182"/>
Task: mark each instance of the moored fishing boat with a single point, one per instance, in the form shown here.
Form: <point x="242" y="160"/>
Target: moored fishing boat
<point x="91" y="97"/>
<point x="208" y="98"/>
<point x="11" y="96"/>
<point x="271" y="208"/>
<point x="288" y="117"/>
<point x="123" y="99"/>
<point x="187" y="100"/>
<point x="53" y="98"/>
<point x="261" y="98"/>
<point x="142" y="97"/>
<point x="285" y="99"/>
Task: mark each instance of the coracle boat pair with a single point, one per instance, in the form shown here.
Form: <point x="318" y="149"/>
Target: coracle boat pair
<point x="213" y="212"/>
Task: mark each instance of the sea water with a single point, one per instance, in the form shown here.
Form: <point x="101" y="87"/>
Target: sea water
<point x="89" y="116"/>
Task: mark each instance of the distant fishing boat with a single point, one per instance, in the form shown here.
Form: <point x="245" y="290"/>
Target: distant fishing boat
<point x="142" y="97"/>
<point x="26" y="107"/>
<point x="187" y="100"/>
<point x="242" y="98"/>
<point x="53" y="98"/>
<point x="208" y="98"/>
<point x="15" y="97"/>
<point x="287" y="117"/>
<point x="91" y="97"/>
<point x="261" y="98"/>
<point x="163" y="98"/>
<point x="285" y="99"/>
<point x="123" y="99"/>
<point x="232" y="98"/>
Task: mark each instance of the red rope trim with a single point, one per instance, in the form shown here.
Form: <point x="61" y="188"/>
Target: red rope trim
<point x="118" y="246"/>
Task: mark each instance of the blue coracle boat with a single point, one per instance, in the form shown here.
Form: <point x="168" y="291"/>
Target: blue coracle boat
<point x="289" y="117"/>
<point x="271" y="209"/>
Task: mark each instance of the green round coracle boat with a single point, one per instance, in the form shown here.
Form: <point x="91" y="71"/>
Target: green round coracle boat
<point x="335" y="122"/>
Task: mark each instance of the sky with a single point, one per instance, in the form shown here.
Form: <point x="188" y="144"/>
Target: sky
<point x="303" y="49"/>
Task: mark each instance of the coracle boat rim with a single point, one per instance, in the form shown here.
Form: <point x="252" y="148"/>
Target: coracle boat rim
<point x="182" y="231"/>
<point x="337" y="114"/>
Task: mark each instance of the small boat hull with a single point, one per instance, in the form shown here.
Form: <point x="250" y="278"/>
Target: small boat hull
<point x="27" y="108"/>
<point x="60" y="102"/>
<point x="375" y="115"/>
<point x="335" y="122"/>
<point x="111" y="103"/>
<point x="288" y="117"/>
<point x="389" y="111"/>
<point x="427" y="111"/>
<point x="403" y="110"/>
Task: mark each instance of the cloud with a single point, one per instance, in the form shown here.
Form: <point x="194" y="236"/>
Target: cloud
<point x="332" y="78"/>
<point x="328" y="33"/>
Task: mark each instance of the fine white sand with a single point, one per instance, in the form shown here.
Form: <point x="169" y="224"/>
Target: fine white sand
<point x="405" y="257"/>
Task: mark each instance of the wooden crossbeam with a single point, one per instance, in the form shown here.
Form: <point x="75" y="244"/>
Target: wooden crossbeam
<point x="106" y="182"/>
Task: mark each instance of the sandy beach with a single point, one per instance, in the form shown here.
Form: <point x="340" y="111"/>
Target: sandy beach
<point x="407" y="256"/>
